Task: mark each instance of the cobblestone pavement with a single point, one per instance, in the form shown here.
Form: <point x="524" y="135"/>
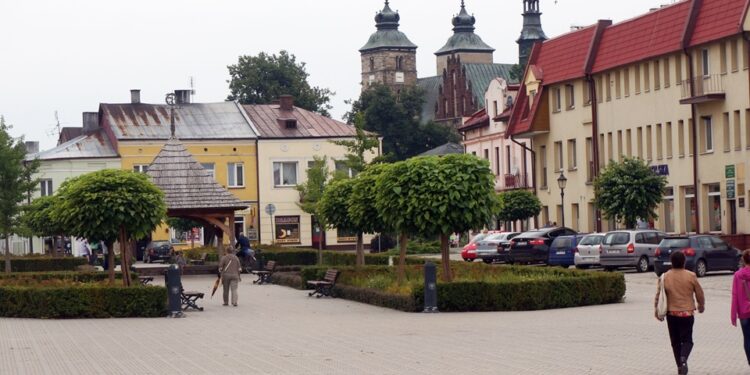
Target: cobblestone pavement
<point x="278" y="330"/>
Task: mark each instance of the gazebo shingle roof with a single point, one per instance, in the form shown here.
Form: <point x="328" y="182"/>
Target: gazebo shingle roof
<point x="186" y="184"/>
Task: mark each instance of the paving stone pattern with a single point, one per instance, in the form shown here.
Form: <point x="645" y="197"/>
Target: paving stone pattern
<point x="278" y="330"/>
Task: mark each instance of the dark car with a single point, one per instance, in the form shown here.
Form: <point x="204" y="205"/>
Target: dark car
<point x="703" y="253"/>
<point x="158" y="251"/>
<point x="563" y="250"/>
<point x="533" y="246"/>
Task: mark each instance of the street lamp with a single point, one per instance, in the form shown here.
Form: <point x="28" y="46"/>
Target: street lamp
<point x="561" y="182"/>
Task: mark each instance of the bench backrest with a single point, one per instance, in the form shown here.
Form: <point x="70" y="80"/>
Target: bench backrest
<point x="331" y="276"/>
<point x="271" y="265"/>
<point x="204" y="256"/>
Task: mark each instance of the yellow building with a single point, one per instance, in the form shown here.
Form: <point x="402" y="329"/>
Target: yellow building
<point x="218" y="135"/>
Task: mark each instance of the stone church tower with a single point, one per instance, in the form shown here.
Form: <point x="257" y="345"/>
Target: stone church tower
<point x="464" y="44"/>
<point x="389" y="57"/>
<point x="532" y="30"/>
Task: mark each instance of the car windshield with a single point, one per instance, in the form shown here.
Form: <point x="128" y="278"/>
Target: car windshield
<point x="675" y="243"/>
<point x="535" y="234"/>
<point x="562" y="242"/>
<point x="617" y="238"/>
<point x="591" y="240"/>
<point x="493" y="237"/>
<point x="478" y="237"/>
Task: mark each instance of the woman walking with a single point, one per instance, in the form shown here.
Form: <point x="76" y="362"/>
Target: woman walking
<point x="741" y="300"/>
<point x="229" y="271"/>
<point x="682" y="290"/>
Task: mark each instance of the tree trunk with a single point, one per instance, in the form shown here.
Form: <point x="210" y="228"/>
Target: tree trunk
<point x="320" y="249"/>
<point x="402" y="258"/>
<point x="360" y="249"/>
<point x="7" y="253"/>
<point x="111" y="261"/>
<point x="446" y="257"/>
<point x="124" y="257"/>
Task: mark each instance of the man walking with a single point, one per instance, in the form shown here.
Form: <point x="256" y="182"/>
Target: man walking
<point x="229" y="270"/>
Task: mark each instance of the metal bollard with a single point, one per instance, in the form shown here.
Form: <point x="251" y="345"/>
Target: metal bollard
<point x="430" y="288"/>
<point x="174" y="286"/>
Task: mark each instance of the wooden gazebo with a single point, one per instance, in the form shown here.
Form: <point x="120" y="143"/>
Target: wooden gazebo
<point x="190" y="190"/>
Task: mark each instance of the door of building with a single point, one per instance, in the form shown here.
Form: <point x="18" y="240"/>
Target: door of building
<point x="732" y="217"/>
<point x="318" y="234"/>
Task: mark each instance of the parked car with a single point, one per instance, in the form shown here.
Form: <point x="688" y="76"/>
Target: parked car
<point x="158" y="251"/>
<point x="587" y="253"/>
<point x="563" y="249"/>
<point x="495" y="247"/>
<point x="703" y="253"/>
<point x="533" y="246"/>
<point x="629" y="248"/>
<point x="469" y="252"/>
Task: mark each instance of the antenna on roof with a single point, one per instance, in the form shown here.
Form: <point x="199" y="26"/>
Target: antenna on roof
<point x="192" y="85"/>
<point x="56" y="130"/>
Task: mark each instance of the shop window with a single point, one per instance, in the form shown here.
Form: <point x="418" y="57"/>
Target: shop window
<point x="287" y="229"/>
<point x="714" y="208"/>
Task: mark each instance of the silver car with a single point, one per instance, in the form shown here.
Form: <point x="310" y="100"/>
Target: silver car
<point x="630" y="248"/>
<point x="494" y="247"/>
<point x="587" y="251"/>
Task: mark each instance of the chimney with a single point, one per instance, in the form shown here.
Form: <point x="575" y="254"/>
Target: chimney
<point x="182" y="96"/>
<point x="286" y="103"/>
<point x="90" y="122"/>
<point x="32" y="147"/>
<point x="135" y="96"/>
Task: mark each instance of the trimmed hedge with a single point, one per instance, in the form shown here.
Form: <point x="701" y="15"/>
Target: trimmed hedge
<point x="88" y="301"/>
<point x="44" y="264"/>
<point x="309" y="257"/>
<point x="80" y="277"/>
<point x="527" y="288"/>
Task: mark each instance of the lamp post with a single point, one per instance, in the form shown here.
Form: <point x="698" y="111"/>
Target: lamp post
<point x="561" y="182"/>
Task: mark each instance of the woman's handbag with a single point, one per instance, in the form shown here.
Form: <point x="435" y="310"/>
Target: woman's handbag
<point x="661" y="305"/>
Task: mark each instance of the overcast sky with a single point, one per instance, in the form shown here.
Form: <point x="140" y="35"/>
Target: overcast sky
<point x="68" y="56"/>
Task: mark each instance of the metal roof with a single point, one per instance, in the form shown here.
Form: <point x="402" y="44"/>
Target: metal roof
<point x="463" y="38"/>
<point x="270" y="122"/>
<point x="94" y="145"/>
<point x="480" y="76"/>
<point x="387" y="35"/>
<point x="446" y="149"/>
<point x="431" y="88"/>
<point x="223" y="120"/>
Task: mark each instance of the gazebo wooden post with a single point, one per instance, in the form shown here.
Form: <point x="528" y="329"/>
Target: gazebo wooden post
<point x="232" y="235"/>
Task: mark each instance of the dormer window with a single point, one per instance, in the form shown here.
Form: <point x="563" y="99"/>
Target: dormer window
<point x="290" y="123"/>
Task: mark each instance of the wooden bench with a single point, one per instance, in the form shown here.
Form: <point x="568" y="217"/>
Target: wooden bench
<point x="264" y="276"/>
<point x="324" y="287"/>
<point x="145" y="280"/>
<point x="201" y="260"/>
<point x="190" y="300"/>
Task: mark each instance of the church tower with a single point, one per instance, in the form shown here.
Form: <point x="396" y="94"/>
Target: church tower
<point x="464" y="43"/>
<point x="389" y="57"/>
<point x="532" y="30"/>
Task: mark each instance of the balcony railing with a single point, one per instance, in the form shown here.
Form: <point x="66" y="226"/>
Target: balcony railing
<point x="516" y="181"/>
<point x="703" y="89"/>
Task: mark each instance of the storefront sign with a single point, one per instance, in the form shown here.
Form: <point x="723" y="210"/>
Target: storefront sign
<point x="345" y="236"/>
<point x="252" y="234"/>
<point x="729" y="171"/>
<point x="731" y="190"/>
<point x="661" y="170"/>
<point x="287" y="230"/>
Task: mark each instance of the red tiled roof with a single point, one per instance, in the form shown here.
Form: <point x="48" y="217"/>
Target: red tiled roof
<point x="477" y="120"/>
<point x="564" y="58"/>
<point x="718" y="19"/>
<point x="309" y="125"/>
<point x="652" y="34"/>
<point x="522" y="117"/>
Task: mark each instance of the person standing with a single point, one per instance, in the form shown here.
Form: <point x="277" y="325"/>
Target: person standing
<point x="229" y="270"/>
<point x="682" y="291"/>
<point x="741" y="301"/>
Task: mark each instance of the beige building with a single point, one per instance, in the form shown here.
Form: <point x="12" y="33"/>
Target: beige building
<point x="290" y="138"/>
<point x="671" y="87"/>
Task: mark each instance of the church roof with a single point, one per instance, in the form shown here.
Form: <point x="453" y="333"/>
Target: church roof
<point x="186" y="184"/>
<point x="388" y="35"/>
<point x="446" y="149"/>
<point x="431" y="88"/>
<point x="464" y="39"/>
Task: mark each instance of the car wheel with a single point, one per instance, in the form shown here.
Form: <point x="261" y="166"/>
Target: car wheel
<point x="469" y="260"/>
<point x="700" y="268"/>
<point x="642" y="265"/>
<point x="582" y="267"/>
<point x="488" y="261"/>
<point x="610" y="269"/>
<point x="564" y="266"/>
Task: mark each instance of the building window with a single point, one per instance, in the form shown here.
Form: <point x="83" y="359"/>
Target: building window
<point x="681" y="138"/>
<point x="691" y="137"/>
<point x="725" y="132"/>
<point x="737" y="131"/>
<point x="690" y="206"/>
<point x="618" y="86"/>
<point x="140" y="168"/>
<point x="659" y="142"/>
<point x="657" y="75"/>
<point x="372" y="64"/>
<point x="646" y="77"/>
<point x="608" y="88"/>
<point x="399" y="62"/>
<point x="637" y="69"/>
<point x="599" y="89"/>
<point x="639" y="141"/>
<point x="543" y="165"/>
<point x="346" y="235"/>
<point x="734" y="54"/>
<point x="545" y="215"/>
<point x="474" y="153"/>
<point x="619" y="145"/>
<point x="558" y="156"/>
<point x="589" y="160"/>
<point x="587" y="93"/>
<point x="558" y="99"/>
<point x="714" y="208"/>
<point x="627" y="81"/>
<point x="285" y="173"/>
<point x="236" y="175"/>
<point x="668" y="216"/>
<point x="209" y="167"/>
<point x="628" y="143"/>
<point x="602" y="154"/>
<point x="610" y="148"/>
<point x="342" y="169"/>
<point x="497" y="161"/>
<point x="649" y="143"/>
<point x="666" y="73"/>
<point x="678" y="69"/>
<point x="572" y="159"/>
<point x="705" y="62"/>
<point x="286" y="230"/>
<point x="668" y="136"/>
<point x="570" y="96"/>
<point x="494" y="108"/>
<point x="46" y="187"/>
<point x="723" y="58"/>
<point x="708" y="134"/>
<point x="508" y="160"/>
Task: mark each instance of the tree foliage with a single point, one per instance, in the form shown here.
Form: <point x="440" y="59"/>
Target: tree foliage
<point x="398" y="120"/>
<point x="264" y="78"/>
<point x="362" y="205"/>
<point x="311" y="192"/>
<point x="334" y="205"/>
<point x="16" y="184"/>
<point x="39" y="219"/>
<point x="183" y="224"/>
<point x="362" y="143"/>
<point x="518" y="205"/>
<point x="629" y="190"/>
<point x="108" y="205"/>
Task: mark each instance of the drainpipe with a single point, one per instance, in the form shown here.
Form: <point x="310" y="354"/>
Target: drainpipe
<point x="691" y="72"/>
<point x="595" y="139"/>
<point x="257" y="189"/>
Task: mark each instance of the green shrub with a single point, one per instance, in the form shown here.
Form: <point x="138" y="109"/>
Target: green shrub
<point x="196" y="253"/>
<point x="418" y="248"/>
<point x="43" y="264"/>
<point x="74" y="276"/>
<point x="307" y="257"/>
<point x="82" y="301"/>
